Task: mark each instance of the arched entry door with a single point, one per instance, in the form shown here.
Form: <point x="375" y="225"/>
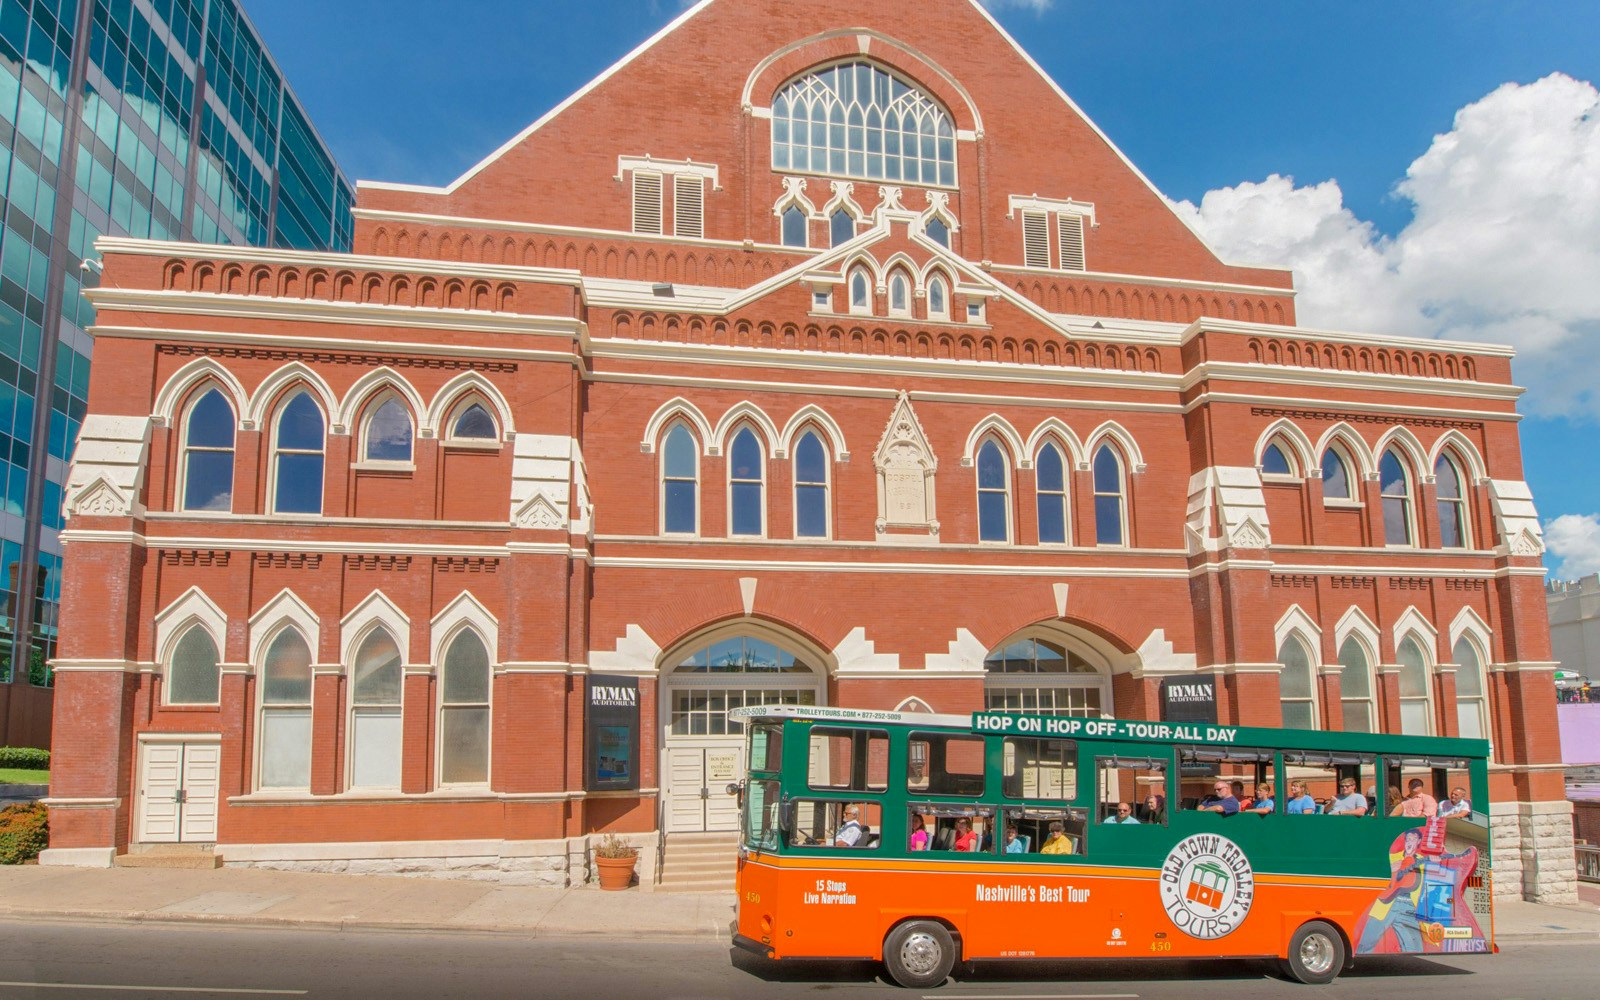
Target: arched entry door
<point x="701" y="746"/>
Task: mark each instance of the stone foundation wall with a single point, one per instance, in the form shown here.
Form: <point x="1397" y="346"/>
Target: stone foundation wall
<point x="1533" y="852"/>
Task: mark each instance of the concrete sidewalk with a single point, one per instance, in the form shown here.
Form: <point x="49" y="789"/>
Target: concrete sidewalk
<point x="342" y="902"/>
<point x="251" y="896"/>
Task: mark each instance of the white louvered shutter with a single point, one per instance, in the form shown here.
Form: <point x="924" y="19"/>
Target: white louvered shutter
<point x="1035" y="239"/>
<point x="688" y="206"/>
<point x="1070" y="231"/>
<point x="646" y="202"/>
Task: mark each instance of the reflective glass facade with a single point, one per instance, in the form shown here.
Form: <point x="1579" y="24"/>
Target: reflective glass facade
<point x="183" y="129"/>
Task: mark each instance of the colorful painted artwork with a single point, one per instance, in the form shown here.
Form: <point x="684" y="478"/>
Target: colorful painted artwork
<point x="1424" y="909"/>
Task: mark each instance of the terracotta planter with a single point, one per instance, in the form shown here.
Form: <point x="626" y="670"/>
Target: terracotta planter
<point x="616" y="873"/>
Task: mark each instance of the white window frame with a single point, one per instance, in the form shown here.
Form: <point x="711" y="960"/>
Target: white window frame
<point x="370" y="413"/>
<point x="443" y="706"/>
<point x="1312" y="658"/>
<point x="262" y="709"/>
<point x="1352" y="477"/>
<point x="938" y="281"/>
<point x="1461" y="504"/>
<point x="275" y="451"/>
<point x="171" y="657"/>
<point x="1071" y="240"/>
<point x="1369" y="700"/>
<point x="649" y="206"/>
<point x="1036" y="239"/>
<point x="1065" y="494"/>
<point x="761" y="444"/>
<point x="689" y="202"/>
<point x="827" y="483"/>
<point x="454" y="414"/>
<point x="662" y="479"/>
<point x="1005" y="491"/>
<point x="1099" y="681"/>
<point x="900" y="278"/>
<point x="1422" y="644"/>
<point x="859" y="308"/>
<point x="184" y="448"/>
<point x="1289" y="460"/>
<point x="356" y="708"/>
<point x="1121" y="495"/>
<point x="1410" y="476"/>
<point x="1481" y="700"/>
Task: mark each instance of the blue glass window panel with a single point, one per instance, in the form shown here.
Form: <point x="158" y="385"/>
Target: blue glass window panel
<point x="1274" y="462"/>
<point x="1335" y="476"/>
<point x="389" y="434"/>
<point x="811" y="511"/>
<point x="810" y="460"/>
<point x="474" y="424"/>
<point x="1052" y="519"/>
<point x="1108" y="520"/>
<point x="842" y="227"/>
<point x="680" y="501"/>
<point x="211" y="422"/>
<point x="1449" y="483"/>
<point x="1396" y="521"/>
<point x="299" y="484"/>
<point x="937" y="231"/>
<point x="991" y="467"/>
<point x="208" y="481"/>
<point x="794" y="227"/>
<point x="1392" y="475"/>
<point x="859" y="296"/>
<point x="678" y="456"/>
<point x="1107" y="471"/>
<point x="300" y="425"/>
<point x="745" y="456"/>
<point x="992" y="517"/>
<point x="1450" y="535"/>
<point x="1049" y="470"/>
<point x="938" y="304"/>
<point x="747" y="508"/>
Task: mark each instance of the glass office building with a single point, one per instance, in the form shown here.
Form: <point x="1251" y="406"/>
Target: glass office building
<point x="164" y="119"/>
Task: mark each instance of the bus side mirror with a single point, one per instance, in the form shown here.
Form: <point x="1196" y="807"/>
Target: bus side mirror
<point x="736" y="789"/>
<point x="786" y="816"/>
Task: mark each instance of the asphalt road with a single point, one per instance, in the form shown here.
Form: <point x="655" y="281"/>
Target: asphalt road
<point x="89" y="961"/>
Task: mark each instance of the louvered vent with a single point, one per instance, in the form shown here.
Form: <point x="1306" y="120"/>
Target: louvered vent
<point x="646" y="202"/>
<point x="1071" y="234"/>
<point x="1035" y="239"/>
<point x="688" y="206"/>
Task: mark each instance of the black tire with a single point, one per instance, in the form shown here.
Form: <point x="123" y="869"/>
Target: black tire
<point x="1316" y="954"/>
<point x="919" y="954"/>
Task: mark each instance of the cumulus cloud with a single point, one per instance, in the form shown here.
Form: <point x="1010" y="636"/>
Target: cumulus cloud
<point x="1575" y="540"/>
<point x="1503" y="246"/>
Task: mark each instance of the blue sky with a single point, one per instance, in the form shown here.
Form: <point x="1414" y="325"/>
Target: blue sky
<point x="1212" y="98"/>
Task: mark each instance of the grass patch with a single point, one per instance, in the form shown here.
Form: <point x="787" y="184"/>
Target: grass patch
<point x="23" y="776"/>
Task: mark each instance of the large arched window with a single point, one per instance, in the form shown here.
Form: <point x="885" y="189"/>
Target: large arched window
<point x="375" y="726"/>
<point x="747" y="489"/>
<point x="1297" y="684"/>
<point x="297" y="457"/>
<point x="994" y="494"/>
<point x="464" y="712"/>
<point x="680" y="482"/>
<point x="842" y="226"/>
<point x="388" y="433"/>
<point x="810" y="487"/>
<point x="193" y="676"/>
<point x="856" y="120"/>
<point x="1416" y="688"/>
<point x="1110" y="509"/>
<point x="1355" y="687"/>
<point x="735" y="672"/>
<point x="285" y="721"/>
<point x="1452" y="504"/>
<point x="1337" y="481"/>
<point x="1472" y="710"/>
<point x="1395" y="485"/>
<point x="1044" y="677"/>
<point x="1275" y="460"/>
<point x="1049" y="472"/>
<point x="795" y="223"/>
<point x="208" y="454"/>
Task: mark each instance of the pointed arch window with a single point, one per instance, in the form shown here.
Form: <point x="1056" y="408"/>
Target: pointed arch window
<point x="810" y="487"/>
<point x="1297" y="684"/>
<point x="375" y="727"/>
<point x="1337" y="481"/>
<point x="1416" y="696"/>
<point x="1452" y="504"/>
<point x="194" y="676"/>
<point x="1395" y="485"/>
<point x="1472" y="710"/>
<point x="680" y="482"/>
<point x="842" y="226"/>
<point x="747" y="492"/>
<point x="938" y="298"/>
<point x="938" y="231"/>
<point x="1275" y="460"/>
<point x="795" y="222"/>
<point x="994" y="494"/>
<point x="473" y="422"/>
<point x="860" y="292"/>
<point x="1355" y="687"/>
<point x="464" y="712"/>
<point x="297" y="446"/>
<point x="285" y="722"/>
<point x="857" y="120"/>
<point x="1110" y="507"/>
<point x="899" y="294"/>
<point x="1051" y="476"/>
<point x="388" y="433"/>
<point x="208" y="454"/>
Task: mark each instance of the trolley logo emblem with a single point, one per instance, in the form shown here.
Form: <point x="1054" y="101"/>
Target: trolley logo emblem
<point x="1207" y="886"/>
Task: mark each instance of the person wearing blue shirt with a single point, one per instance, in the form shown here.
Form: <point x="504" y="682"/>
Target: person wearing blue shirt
<point x="1300" y="804"/>
<point x="1124" y="814"/>
<point x="1350" y="802"/>
<point x="1264" y="803"/>
<point x="1014" y="843"/>
<point x="1220" y="800"/>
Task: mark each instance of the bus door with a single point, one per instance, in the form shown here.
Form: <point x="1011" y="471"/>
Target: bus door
<point x="1129" y="837"/>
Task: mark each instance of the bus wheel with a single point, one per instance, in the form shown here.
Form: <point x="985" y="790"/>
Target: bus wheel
<point x="1316" y="954"/>
<point x="919" y="954"/>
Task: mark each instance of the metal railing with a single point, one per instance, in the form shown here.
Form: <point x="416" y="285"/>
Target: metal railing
<point x="1588" y="863"/>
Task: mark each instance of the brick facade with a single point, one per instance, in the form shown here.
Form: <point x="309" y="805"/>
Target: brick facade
<point x="522" y="289"/>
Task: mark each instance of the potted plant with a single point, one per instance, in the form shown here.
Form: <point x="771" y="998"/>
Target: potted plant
<point x="615" y="858"/>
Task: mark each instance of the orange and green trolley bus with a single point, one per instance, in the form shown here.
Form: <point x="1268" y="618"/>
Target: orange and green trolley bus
<point x="925" y="840"/>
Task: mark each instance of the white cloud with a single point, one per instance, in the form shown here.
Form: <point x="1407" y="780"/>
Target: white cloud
<point x="1037" y="6"/>
<point x="1503" y="246"/>
<point x="1575" y="540"/>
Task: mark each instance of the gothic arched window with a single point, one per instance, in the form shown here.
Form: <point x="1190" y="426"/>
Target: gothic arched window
<point x="856" y="120"/>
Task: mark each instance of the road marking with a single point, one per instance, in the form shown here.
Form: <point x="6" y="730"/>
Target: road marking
<point x="161" y="989"/>
<point x="1030" y="996"/>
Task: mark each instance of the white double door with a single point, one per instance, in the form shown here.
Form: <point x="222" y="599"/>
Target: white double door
<point x="178" y="785"/>
<point x="699" y="770"/>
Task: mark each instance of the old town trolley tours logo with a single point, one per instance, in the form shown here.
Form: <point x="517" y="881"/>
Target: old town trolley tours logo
<point x="1207" y="886"/>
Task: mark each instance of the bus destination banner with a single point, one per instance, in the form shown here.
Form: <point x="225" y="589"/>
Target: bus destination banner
<point x="1111" y="729"/>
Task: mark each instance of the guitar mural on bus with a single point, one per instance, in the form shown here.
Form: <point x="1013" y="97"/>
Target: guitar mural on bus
<point x="1426" y="907"/>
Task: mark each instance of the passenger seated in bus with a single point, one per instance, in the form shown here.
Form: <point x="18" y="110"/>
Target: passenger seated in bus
<point x="1014" y="843"/>
<point x="1124" y="814"/>
<point x="1350" y="802"/>
<point x="1300" y="803"/>
<point x="1459" y="807"/>
<point x="1263" y="804"/>
<point x="1418" y="802"/>
<point x="919" y="832"/>
<point x="851" y="830"/>
<point x="1059" y="842"/>
<point x="966" y="840"/>
<point x="1393" y="801"/>
<point x="1238" y="793"/>
<point x="1221" y="800"/>
<point x="1155" y="810"/>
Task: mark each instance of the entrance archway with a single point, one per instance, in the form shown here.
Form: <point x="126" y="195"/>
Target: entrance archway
<point x="739" y="665"/>
<point x="1046" y="671"/>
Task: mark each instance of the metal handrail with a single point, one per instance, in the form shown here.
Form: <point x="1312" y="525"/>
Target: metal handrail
<point x="1588" y="863"/>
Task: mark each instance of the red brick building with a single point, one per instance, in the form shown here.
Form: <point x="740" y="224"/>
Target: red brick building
<point x="815" y="352"/>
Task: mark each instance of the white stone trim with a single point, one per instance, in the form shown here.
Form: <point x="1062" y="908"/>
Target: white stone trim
<point x="284" y="609"/>
<point x="1413" y="621"/>
<point x="465" y="611"/>
<point x="1354" y="624"/>
<point x="1059" y="206"/>
<point x="808" y="415"/>
<point x="1299" y="447"/>
<point x="1516" y="518"/>
<point x="857" y="655"/>
<point x="669" y="168"/>
<point x="272" y="393"/>
<point x="997" y="426"/>
<point x="966" y="656"/>
<point x="742" y="412"/>
<point x="373" y="610"/>
<point x="1132" y="457"/>
<point x="451" y="395"/>
<point x="366" y="389"/>
<point x="106" y="477"/>
<point x="635" y="653"/>
<point x="676" y="408"/>
<point x="179" y="386"/>
<point x="1297" y="622"/>
<point x="78" y="857"/>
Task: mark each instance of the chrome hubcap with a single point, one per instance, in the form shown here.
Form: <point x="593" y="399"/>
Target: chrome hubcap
<point x="920" y="954"/>
<point x="1316" y="954"/>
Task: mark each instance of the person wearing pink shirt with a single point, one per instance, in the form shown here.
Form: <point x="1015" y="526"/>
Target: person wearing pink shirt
<point x="1418" y="802"/>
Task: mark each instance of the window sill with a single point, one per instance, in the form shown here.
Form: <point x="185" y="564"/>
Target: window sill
<point x="1344" y="505"/>
<point x="213" y="708"/>
<point x="391" y="467"/>
<point x="1279" y="479"/>
<point x="461" y="445"/>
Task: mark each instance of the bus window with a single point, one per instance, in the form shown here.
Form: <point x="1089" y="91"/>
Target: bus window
<point x="948" y="828"/>
<point x="855" y="825"/>
<point x="945" y="764"/>
<point x="1209" y="779"/>
<point x="1421" y="786"/>
<point x="1045" y="832"/>
<point x="1131" y="790"/>
<point x="761" y="815"/>
<point x="849" y="760"/>
<point x="766" y="746"/>
<point x="1328" y="784"/>
<point x="1040" y="769"/>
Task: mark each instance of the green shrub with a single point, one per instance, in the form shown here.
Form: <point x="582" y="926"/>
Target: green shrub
<point x="24" y="832"/>
<point x="28" y="757"/>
